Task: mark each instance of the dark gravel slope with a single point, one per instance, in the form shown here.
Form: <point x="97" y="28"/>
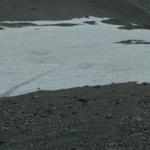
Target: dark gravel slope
<point x="137" y="11"/>
<point x="113" y="117"/>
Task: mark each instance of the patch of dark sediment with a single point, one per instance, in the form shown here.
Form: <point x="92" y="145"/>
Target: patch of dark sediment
<point x="62" y="24"/>
<point x="90" y="22"/>
<point x="132" y="41"/>
<point x="28" y="24"/>
<point x="135" y="11"/>
<point x="17" y="25"/>
<point x="106" y="117"/>
<point x="126" y="25"/>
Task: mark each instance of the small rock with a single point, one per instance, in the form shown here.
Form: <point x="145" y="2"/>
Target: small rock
<point x="83" y="100"/>
<point x="138" y="119"/>
<point x="2" y="142"/>
<point x="61" y="115"/>
<point x="54" y="107"/>
<point x="148" y="140"/>
<point x="73" y="148"/>
<point x="147" y="147"/>
<point x="69" y="106"/>
<point x="138" y="136"/>
<point x="111" y="146"/>
<point x="5" y="128"/>
<point x="86" y="86"/>
<point x="34" y="97"/>
<point x="33" y="8"/>
<point x="86" y="16"/>
<point x="108" y="116"/>
<point x="146" y="96"/>
<point x="35" y="114"/>
<point x="82" y="120"/>
<point x="64" y="96"/>
<point x="145" y="83"/>
<point x="74" y="112"/>
<point x="96" y="114"/>
<point x="96" y="86"/>
<point x="137" y="124"/>
<point x="43" y="115"/>
<point x="90" y="22"/>
<point x="116" y="102"/>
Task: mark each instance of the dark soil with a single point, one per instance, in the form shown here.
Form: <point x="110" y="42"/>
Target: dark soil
<point x="133" y="41"/>
<point x="112" y="117"/>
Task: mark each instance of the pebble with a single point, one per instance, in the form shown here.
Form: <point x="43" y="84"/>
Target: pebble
<point x="116" y="102"/>
<point x="74" y="112"/>
<point x="147" y="147"/>
<point x="138" y="119"/>
<point x="54" y="107"/>
<point x="5" y="128"/>
<point x="112" y="146"/>
<point x="138" y="136"/>
<point x="145" y="83"/>
<point x="34" y="97"/>
<point x="83" y="100"/>
<point x="82" y="120"/>
<point x="148" y="140"/>
<point x="96" y="86"/>
<point x="2" y="142"/>
<point x="108" y="116"/>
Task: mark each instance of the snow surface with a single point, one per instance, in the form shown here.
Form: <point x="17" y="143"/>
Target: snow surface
<point x="51" y="57"/>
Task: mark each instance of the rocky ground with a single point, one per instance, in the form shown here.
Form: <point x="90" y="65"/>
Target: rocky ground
<point x="111" y="117"/>
<point x="126" y="11"/>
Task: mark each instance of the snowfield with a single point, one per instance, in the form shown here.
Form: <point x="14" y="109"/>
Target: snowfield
<point x="56" y="57"/>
